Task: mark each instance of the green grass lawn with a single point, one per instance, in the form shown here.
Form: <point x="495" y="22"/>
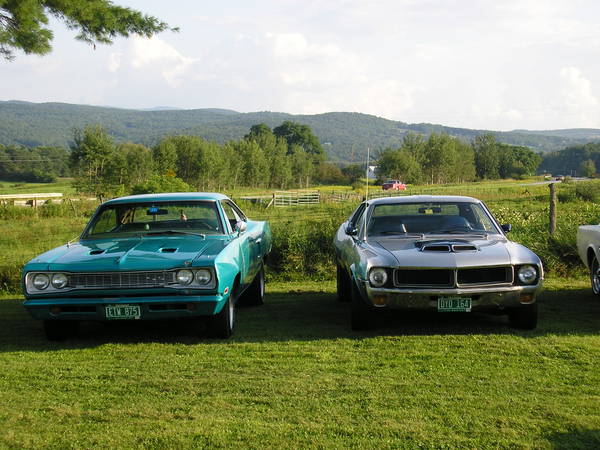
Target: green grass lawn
<point x="294" y="375"/>
<point x="62" y="185"/>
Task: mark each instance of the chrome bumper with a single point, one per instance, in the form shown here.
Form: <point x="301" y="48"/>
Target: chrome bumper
<point x="481" y="297"/>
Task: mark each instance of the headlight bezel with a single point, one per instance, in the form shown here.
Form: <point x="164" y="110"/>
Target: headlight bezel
<point x="532" y="270"/>
<point x="383" y="274"/>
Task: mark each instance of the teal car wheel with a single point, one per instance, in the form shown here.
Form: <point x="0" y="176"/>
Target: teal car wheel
<point x="255" y="294"/>
<point x="221" y="326"/>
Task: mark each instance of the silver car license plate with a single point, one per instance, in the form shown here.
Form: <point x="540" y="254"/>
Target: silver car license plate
<point x="454" y="304"/>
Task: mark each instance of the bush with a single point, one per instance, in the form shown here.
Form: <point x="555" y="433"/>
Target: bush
<point x="161" y="183"/>
<point x="588" y="191"/>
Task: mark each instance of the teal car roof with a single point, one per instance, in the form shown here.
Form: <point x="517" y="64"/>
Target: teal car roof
<point x="173" y="196"/>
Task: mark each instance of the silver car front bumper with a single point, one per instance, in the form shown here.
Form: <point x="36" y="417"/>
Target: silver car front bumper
<point x="481" y="297"/>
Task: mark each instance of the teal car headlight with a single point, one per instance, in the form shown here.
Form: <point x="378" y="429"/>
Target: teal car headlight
<point x="185" y="276"/>
<point x="41" y="281"/>
<point x="59" y="280"/>
<point x="203" y="276"/>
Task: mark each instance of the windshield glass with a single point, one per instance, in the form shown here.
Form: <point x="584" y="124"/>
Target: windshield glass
<point x="430" y="218"/>
<point x="128" y="219"/>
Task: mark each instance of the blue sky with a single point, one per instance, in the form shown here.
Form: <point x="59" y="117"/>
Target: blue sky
<point x="480" y="64"/>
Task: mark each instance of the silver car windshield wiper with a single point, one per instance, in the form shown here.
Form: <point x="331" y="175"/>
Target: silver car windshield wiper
<point x="400" y="234"/>
<point x="470" y="232"/>
<point x="188" y="233"/>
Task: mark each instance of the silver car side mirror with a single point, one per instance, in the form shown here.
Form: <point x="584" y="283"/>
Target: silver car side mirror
<point x="240" y="226"/>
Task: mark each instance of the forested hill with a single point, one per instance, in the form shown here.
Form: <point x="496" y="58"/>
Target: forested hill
<point x="345" y="136"/>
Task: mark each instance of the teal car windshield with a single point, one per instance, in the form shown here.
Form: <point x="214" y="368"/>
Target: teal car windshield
<point x="126" y="219"/>
<point x="430" y="218"/>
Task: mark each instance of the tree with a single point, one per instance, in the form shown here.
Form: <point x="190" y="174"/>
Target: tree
<point x="296" y="134"/>
<point x="401" y="165"/>
<point x="487" y="158"/>
<point x="23" y="23"/>
<point x="91" y="154"/>
<point x="587" y="168"/>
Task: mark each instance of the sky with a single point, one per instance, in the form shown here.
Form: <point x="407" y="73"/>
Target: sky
<point x="483" y="64"/>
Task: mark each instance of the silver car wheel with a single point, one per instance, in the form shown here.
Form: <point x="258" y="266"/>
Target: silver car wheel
<point x="595" y="276"/>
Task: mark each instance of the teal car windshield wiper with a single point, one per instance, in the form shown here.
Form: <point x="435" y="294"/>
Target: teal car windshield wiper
<point x="158" y="233"/>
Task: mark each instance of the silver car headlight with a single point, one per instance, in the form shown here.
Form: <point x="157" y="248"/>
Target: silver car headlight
<point x="41" y="281"/>
<point x="527" y="274"/>
<point x="59" y="280"/>
<point x="185" y="276"/>
<point x="203" y="276"/>
<point x="378" y="277"/>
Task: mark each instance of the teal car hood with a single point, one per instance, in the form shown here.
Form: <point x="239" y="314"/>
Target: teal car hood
<point x="148" y="253"/>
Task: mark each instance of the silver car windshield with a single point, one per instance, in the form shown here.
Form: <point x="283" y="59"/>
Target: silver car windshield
<point x="122" y="220"/>
<point x="430" y="218"/>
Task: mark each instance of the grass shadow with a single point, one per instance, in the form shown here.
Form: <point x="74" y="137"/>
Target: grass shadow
<point x="303" y="316"/>
<point x="574" y="440"/>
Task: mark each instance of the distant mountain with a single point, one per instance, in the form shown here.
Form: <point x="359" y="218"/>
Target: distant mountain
<point x="345" y="136"/>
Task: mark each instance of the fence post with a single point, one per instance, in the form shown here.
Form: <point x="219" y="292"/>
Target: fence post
<point x="552" y="225"/>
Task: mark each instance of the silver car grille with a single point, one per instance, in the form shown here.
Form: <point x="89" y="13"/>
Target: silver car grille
<point x="120" y="280"/>
<point x="450" y="278"/>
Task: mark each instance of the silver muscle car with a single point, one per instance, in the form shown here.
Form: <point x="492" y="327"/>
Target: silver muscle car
<point x="439" y="253"/>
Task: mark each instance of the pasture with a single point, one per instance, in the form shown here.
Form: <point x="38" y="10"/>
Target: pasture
<point x="294" y="375"/>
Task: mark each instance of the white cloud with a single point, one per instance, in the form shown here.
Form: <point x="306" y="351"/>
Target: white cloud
<point x="114" y="61"/>
<point x="161" y="56"/>
<point x="580" y="103"/>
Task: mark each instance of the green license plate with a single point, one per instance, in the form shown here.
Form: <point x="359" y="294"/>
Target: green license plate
<point x="454" y="304"/>
<point x="122" y="311"/>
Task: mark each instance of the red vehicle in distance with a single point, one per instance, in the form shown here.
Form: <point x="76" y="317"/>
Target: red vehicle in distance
<point x="395" y="185"/>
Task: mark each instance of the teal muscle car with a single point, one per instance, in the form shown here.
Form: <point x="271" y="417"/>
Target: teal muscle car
<point x="156" y="256"/>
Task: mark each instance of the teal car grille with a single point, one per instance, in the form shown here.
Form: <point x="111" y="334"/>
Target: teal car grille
<point x="121" y="280"/>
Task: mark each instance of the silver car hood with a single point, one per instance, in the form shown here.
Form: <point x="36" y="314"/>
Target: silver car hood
<point x="491" y="251"/>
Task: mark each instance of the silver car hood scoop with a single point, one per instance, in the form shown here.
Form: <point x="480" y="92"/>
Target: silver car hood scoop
<point x="446" y="246"/>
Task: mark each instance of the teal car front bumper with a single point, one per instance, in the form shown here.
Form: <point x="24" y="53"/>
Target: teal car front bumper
<point x="150" y="307"/>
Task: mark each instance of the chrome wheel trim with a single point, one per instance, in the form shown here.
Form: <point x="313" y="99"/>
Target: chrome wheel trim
<point x="231" y="307"/>
<point x="595" y="276"/>
<point x="262" y="284"/>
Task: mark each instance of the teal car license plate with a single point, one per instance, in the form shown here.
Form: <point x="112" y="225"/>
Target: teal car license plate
<point x="454" y="304"/>
<point x="122" y="311"/>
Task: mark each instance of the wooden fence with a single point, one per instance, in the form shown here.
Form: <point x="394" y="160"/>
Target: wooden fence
<point x="296" y="198"/>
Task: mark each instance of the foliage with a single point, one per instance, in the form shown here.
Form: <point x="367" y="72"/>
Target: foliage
<point x="496" y="160"/>
<point x="439" y="159"/>
<point x="587" y="168"/>
<point x="161" y="183"/>
<point x="572" y="160"/>
<point x="345" y="136"/>
<point x="299" y="135"/>
<point x="35" y="165"/>
<point x="24" y="24"/>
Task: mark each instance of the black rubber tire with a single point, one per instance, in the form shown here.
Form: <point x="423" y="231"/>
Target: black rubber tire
<point x="254" y="295"/>
<point x="221" y="326"/>
<point x="60" y="330"/>
<point x="344" y="294"/>
<point x="361" y="316"/>
<point x="594" y="276"/>
<point x="524" y="317"/>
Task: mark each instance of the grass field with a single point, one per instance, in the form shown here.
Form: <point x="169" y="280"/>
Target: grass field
<point x="294" y="375"/>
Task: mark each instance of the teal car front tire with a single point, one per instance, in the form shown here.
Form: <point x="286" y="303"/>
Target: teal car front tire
<point x="221" y="325"/>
